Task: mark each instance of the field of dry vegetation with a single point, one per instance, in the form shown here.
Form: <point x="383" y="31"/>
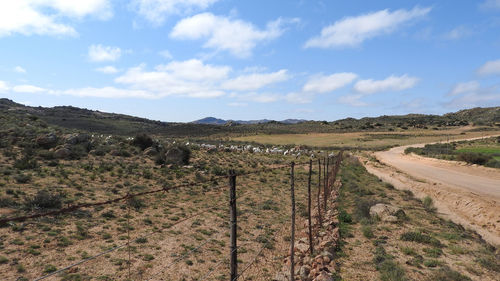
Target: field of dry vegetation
<point x="181" y="231"/>
<point x="181" y="234"/>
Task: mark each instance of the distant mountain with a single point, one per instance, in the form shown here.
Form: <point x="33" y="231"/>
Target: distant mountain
<point x="217" y="121"/>
<point x="210" y="121"/>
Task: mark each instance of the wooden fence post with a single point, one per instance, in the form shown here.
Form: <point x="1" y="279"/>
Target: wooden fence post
<point x="319" y="191"/>
<point x="292" y="240"/>
<point x="309" y="207"/>
<point x="232" y="203"/>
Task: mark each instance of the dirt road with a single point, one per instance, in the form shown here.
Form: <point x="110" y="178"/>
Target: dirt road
<point x="469" y="195"/>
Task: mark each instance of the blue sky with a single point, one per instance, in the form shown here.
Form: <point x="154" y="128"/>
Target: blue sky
<point x="174" y="60"/>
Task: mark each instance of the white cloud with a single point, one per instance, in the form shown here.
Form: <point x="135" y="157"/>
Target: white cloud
<point x="324" y="84"/>
<point x="258" y="97"/>
<point x="166" y="54"/>
<point x="237" y="104"/>
<point x="352" y="31"/>
<point x="299" y="97"/>
<point x="19" y="69"/>
<point x="465" y="87"/>
<point x="107" y="69"/>
<point x="3" y="87"/>
<point x="28" y="89"/>
<point x="191" y="78"/>
<point x="391" y="83"/>
<point x="490" y="4"/>
<point x="353" y="100"/>
<point x="254" y="81"/>
<point x="156" y="11"/>
<point x="485" y="99"/>
<point x="223" y="33"/>
<point x="46" y="17"/>
<point x="458" y="33"/>
<point x="99" y="53"/>
<point x="472" y="94"/>
<point x="490" y="67"/>
<point x="108" y="92"/>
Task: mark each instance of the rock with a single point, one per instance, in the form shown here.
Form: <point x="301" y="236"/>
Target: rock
<point x="176" y="156"/>
<point x="323" y="276"/>
<point x="302" y="245"/>
<point x="304" y="272"/>
<point x="382" y="211"/>
<point x="62" y="153"/>
<point x="327" y="254"/>
<point x="390" y="219"/>
<point x="71" y="139"/>
<point x="150" y="151"/>
<point x="47" y="141"/>
<point x="280" y="276"/>
<point x="76" y="138"/>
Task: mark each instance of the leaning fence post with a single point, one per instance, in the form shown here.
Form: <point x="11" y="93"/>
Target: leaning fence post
<point x="319" y="191"/>
<point x="309" y="207"/>
<point x="232" y="203"/>
<point x="292" y="240"/>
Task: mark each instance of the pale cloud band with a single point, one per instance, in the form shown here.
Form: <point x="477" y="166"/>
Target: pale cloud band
<point x="352" y="31"/>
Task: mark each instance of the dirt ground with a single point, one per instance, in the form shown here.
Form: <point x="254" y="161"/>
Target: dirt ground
<point x="469" y="195"/>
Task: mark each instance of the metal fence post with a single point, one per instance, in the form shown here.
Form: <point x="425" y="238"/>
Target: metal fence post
<point x="292" y="240"/>
<point x="309" y="207"/>
<point x="319" y="192"/>
<point x="232" y="203"/>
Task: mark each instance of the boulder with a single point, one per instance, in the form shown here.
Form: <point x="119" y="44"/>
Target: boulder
<point x="76" y="138"/>
<point x="62" y="153"/>
<point x="47" y="141"/>
<point x="384" y="212"/>
<point x="323" y="276"/>
<point x="150" y="151"/>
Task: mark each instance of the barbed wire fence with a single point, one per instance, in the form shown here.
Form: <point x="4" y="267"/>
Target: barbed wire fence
<point x="330" y="168"/>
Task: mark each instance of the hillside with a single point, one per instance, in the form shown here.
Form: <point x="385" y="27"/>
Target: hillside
<point x="112" y="123"/>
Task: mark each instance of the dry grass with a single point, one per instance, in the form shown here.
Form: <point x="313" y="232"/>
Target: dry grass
<point x="372" y="140"/>
<point x="178" y="221"/>
<point x="420" y="246"/>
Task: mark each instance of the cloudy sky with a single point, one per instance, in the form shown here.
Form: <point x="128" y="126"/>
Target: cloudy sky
<point x="181" y="60"/>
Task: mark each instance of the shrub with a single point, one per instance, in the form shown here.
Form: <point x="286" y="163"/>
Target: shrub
<point x="473" y="158"/>
<point x="143" y="141"/>
<point x="22" y="178"/>
<point x="367" y="231"/>
<point x="44" y="200"/>
<point x="428" y="204"/>
<point x="345" y="217"/>
<point x="25" y="163"/>
<point x="49" y="268"/>
<point x="420" y="238"/>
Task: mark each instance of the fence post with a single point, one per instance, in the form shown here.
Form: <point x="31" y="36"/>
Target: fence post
<point x="232" y="203"/>
<point x="292" y="240"/>
<point x="128" y="233"/>
<point x="328" y="174"/>
<point x="309" y="207"/>
<point x="324" y="184"/>
<point x="319" y="191"/>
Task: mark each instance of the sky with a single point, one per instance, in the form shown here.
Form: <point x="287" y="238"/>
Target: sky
<point x="182" y="60"/>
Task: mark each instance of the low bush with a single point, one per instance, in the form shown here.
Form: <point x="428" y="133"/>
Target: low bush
<point x="143" y="141"/>
<point x="44" y="200"/>
<point x="420" y="238"/>
<point x="474" y="158"/>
